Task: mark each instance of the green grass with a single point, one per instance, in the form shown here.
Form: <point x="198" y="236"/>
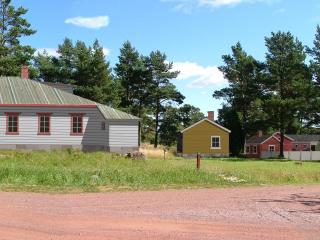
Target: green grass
<point x="73" y="171"/>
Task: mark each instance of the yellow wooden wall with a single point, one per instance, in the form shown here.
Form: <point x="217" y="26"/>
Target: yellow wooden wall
<point x="198" y="139"/>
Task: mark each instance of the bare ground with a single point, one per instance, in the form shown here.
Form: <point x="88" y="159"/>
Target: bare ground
<point x="286" y="212"/>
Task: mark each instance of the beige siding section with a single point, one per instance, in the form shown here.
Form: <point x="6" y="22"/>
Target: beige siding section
<point x="60" y="127"/>
<point x="198" y="139"/>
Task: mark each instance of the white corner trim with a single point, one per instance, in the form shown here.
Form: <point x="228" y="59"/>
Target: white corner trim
<point x="284" y="136"/>
<point x="272" y="136"/>
<point x="206" y="119"/>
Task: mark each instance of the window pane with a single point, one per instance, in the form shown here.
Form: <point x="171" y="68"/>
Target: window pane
<point x="12" y="125"/>
<point x="215" y="142"/>
<point x="77" y="124"/>
<point x="44" y="124"/>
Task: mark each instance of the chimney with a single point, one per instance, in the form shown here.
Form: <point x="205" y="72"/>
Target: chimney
<point x="211" y="115"/>
<point x="25" y="72"/>
<point x="259" y="133"/>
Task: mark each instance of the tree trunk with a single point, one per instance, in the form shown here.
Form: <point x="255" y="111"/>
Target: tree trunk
<point x="281" y="154"/>
<point x="157" y="124"/>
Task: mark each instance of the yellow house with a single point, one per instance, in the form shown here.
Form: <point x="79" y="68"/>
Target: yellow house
<point x="205" y="137"/>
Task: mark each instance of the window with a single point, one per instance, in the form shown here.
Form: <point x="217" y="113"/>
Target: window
<point x="76" y="124"/>
<point x="103" y="125"/>
<point x="44" y="123"/>
<point x="304" y="147"/>
<point x="12" y="123"/>
<point x="271" y="148"/>
<point x="313" y="148"/>
<point x="215" y="142"/>
<point x="254" y="148"/>
<point x="247" y="149"/>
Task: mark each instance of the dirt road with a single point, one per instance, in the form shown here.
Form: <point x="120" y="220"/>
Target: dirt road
<point x="287" y="212"/>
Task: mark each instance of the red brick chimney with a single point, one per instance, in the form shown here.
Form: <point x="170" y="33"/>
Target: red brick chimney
<point x="25" y="72"/>
<point x="259" y="133"/>
<point x="211" y="115"/>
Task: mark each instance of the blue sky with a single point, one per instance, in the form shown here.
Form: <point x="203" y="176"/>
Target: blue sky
<point x="193" y="33"/>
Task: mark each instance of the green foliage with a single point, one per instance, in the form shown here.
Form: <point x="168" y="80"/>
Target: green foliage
<point x="229" y="118"/>
<point x="173" y="120"/>
<point x="313" y="110"/>
<point x="131" y="73"/>
<point x="287" y="80"/>
<point x="282" y="93"/>
<point x="83" y="66"/>
<point x="12" y="27"/>
<point x="244" y="74"/>
<point x="162" y="91"/>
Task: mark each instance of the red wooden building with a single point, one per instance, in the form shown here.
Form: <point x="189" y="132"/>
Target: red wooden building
<point x="267" y="146"/>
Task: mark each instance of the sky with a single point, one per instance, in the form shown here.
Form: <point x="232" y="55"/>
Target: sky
<point x="194" y="34"/>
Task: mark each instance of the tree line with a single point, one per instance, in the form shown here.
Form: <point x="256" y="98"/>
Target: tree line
<point x="281" y="93"/>
<point x="138" y="84"/>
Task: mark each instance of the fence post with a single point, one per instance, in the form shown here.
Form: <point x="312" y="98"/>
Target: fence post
<point x="198" y="160"/>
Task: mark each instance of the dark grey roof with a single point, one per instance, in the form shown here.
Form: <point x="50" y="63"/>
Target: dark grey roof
<point x="304" y="138"/>
<point x="256" y="139"/>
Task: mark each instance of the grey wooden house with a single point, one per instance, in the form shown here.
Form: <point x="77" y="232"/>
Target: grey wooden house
<point x="37" y="116"/>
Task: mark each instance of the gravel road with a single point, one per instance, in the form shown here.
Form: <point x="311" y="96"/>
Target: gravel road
<point x="284" y="212"/>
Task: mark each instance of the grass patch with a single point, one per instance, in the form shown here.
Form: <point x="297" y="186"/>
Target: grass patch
<point x="74" y="171"/>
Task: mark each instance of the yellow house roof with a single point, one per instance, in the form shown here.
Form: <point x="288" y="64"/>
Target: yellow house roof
<point x="208" y="120"/>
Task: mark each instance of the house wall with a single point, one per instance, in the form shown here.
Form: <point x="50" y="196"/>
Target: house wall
<point x="301" y="146"/>
<point x="123" y="136"/>
<point x="93" y="138"/>
<point x="250" y="154"/>
<point x="198" y="140"/>
<point x="272" y="141"/>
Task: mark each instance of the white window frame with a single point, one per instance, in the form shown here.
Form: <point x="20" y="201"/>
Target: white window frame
<point x="219" y="142"/>
<point x="274" y="148"/>
<point x="248" y="147"/>
<point x="254" y="149"/>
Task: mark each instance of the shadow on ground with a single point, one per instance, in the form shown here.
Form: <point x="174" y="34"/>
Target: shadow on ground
<point x="312" y="202"/>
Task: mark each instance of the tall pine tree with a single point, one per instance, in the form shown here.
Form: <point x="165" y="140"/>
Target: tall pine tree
<point x="244" y="74"/>
<point x="162" y="91"/>
<point x="287" y="80"/>
<point x="12" y="27"/>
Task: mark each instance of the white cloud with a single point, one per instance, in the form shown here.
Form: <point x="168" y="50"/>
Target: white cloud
<point x="188" y="5"/>
<point x="89" y="22"/>
<point x="50" y="51"/>
<point x="199" y="76"/>
<point x="106" y="51"/>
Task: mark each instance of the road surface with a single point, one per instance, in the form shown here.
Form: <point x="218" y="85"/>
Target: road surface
<point x="285" y="212"/>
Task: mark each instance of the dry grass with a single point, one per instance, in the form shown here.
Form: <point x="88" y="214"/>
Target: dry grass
<point x="156" y="153"/>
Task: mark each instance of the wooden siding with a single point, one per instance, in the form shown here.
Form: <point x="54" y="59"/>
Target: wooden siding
<point x="60" y="127"/>
<point x="125" y="134"/>
<point x="198" y="139"/>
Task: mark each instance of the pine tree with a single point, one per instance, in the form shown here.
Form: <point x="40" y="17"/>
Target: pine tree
<point x="314" y="106"/>
<point x="286" y="80"/>
<point x="162" y="91"/>
<point x="244" y="74"/>
<point x="131" y="72"/>
<point x="12" y="27"/>
<point x="66" y="61"/>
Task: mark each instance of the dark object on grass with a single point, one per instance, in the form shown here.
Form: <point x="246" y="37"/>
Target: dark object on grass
<point x="136" y="155"/>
